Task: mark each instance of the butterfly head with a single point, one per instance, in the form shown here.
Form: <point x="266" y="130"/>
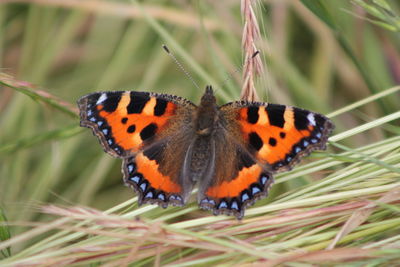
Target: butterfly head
<point x="208" y="97"/>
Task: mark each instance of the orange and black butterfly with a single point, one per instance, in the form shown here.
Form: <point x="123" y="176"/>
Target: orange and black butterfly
<point x="168" y="145"/>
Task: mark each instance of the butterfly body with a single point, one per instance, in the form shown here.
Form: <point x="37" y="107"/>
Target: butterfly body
<point x="169" y="145"/>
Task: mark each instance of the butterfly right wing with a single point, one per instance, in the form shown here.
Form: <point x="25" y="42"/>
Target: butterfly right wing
<point x="254" y="141"/>
<point x="238" y="179"/>
<point x="279" y="135"/>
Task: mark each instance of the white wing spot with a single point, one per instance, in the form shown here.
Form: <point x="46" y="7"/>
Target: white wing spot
<point x="101" y="99"/>
<point x="311" y="119"/>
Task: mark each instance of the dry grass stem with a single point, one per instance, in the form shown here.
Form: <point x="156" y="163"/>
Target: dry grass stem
<point x="122" y="10"/>
<point x="36" y="93"/>
<point x="252" y="65"/>
<point x="125" y="240"/>
<point x="359" y="216"/>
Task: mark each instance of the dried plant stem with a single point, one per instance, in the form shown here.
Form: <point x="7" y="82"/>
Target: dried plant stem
<point x="252" y="65"/>
<point x="125" y="10"/>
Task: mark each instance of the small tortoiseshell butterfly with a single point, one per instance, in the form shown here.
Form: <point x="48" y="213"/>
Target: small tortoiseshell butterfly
<point x="168" y="144"/>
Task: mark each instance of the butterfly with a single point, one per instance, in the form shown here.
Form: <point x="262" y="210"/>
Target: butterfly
<point x="168" y="145"/>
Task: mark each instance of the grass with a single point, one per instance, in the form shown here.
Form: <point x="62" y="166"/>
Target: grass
<point x="61" y="198"/>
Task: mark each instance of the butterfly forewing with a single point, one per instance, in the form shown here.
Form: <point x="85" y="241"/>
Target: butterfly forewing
<point x="279" y="135"/>
<point x="125" y="121"/>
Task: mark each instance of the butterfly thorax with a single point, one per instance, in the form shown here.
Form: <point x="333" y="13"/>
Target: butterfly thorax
<point x="206" y="114"/>
<point x="205" y="124"/>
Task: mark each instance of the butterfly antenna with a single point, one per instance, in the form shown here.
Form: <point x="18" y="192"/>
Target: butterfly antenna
<point x="180" y="66"/>
<point x="238" y="69"/>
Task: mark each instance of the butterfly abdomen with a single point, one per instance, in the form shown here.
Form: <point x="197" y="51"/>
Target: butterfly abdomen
<point x="200" y="157"/>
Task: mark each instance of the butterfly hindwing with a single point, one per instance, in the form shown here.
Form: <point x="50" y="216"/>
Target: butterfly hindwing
<point x="125" y="121"/>
<point x="279" y="135"/>
<point x="153" y="178"/>
<point x="231" y="190"/>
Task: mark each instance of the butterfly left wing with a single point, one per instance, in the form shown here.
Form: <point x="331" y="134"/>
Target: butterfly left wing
<point x="151" y="132"/>
<point x="155" y="173"/>
<point x="255" y="140"/>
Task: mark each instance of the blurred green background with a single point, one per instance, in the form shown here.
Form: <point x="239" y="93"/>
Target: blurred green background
<point x="318" y="55"/>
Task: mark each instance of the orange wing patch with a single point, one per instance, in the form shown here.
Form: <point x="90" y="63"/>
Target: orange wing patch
<point x="123" y="121"/>
<point x="233" y="188"/>
<point x="135" y="120"/>
<point x="234" y="196"/>
<point x="149" y="169"/>
<point x="231" y="194"/>
<point x="272" y="142"/>
<point x="279" y="135"/>
<point x="142" y="174"/>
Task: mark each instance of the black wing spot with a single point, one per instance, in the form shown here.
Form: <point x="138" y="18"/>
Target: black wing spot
<point x="252" y="115"/>
<point x="137" y="103"/>
<point x="124" y="120"/>
<point x="131" y="129"/>
<point x="155" y="152"/>
<point x="321" y="120"/>
<point x="272" y="141"/>
<point x="148" y="131"/>
<point x="255" y="141"/>
<point x="245" y="160"/>
<point x="282" y="135"/>
<point x="300" y="119"/>
<point x="111" y="103"/>
<point x="161" y="106"/>
<point x="276" y="114"/>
